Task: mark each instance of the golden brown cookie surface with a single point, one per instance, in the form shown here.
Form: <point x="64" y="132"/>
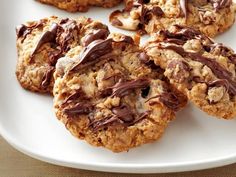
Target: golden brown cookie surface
<point x="199" y="67"/>
<point x="80" y="5"/>
<point x="210" y="17"/>
<point x="106" y="95"/>
<point x="41" y="43"/>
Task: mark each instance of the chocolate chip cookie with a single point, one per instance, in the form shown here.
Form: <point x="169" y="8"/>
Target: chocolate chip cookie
<point x="147" y="16"/>
<point x="80" y="5"/>
<point x="199" y="67"/>
<point x="41" y="43"/>
<point x="107" y="94"/>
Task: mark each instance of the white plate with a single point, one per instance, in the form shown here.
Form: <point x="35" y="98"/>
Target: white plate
<point x="193" y="141"/>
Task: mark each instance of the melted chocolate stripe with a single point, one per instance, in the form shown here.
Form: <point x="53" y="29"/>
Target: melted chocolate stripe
<point x="48" y="36"/>
<point x="224" y="51"/>
<point x="98" y="34"/>
<point x="219" y="83"/>
<point x="23" y="30"/>
<point x="79" y="108"/>
<point x="216" y="68"/>
<point x="183" y="34"/>
<point x="93" y="51"/>
<point x="65" y="31"/>
<point x="103" y="123"/>
<point x="123" y="88"/>
<point x="98" y="124"/>
<point x="170" y="100"/>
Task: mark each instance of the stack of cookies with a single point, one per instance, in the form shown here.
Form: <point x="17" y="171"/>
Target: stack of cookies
<point x="111" y="91"/>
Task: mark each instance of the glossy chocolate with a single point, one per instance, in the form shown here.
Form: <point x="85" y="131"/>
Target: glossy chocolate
<point x="122" y="89"/>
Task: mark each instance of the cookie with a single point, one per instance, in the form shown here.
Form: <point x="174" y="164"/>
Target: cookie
<point x="41" y="43"/>
<point x="199" y="67"/>
<point x="80" y="5"/>
<point x="210" y="17"/>
<point x="108" y="95"/>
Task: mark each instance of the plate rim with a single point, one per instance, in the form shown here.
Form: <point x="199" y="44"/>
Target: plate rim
<point x="119" y="167"/>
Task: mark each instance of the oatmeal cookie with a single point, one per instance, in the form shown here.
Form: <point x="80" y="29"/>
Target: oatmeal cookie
<point x="107" y="94"/>
<point x="199" y="67"/>
<point x="80" y="5"/>
<point x="147" y="16"/>
<point x="41" y="43"/>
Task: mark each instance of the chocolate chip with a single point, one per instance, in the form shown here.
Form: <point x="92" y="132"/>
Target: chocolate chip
<point x="143" y="1"/>
<point x="127" y="39"/>
<point x="143" y="57"/>
<point x="157" y="11"/>
<point x="20" y="30"/>
<point x="180" y="70"/>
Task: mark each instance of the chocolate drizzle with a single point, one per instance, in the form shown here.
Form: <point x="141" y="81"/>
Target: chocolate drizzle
<point x="23" y="30"/>
<point x="102" y="123"/>
<point x="96" y="49"/>
<point x="118" y="119"/>
<point x="216" y="68"/>
<point x="78" y="109"/>
<point x="182" y="35"/>
<point x="48" y="36"/>
<point x="95" y="35"/>
<point x="167" y="98"/>
<point x="219" y="83"/>
<point x="170" y="100"/>
<point x="66" y="33"/>
<point x="78" y="94"/>
<point x="122" y="89"/>
<point x="93" y="51"/>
